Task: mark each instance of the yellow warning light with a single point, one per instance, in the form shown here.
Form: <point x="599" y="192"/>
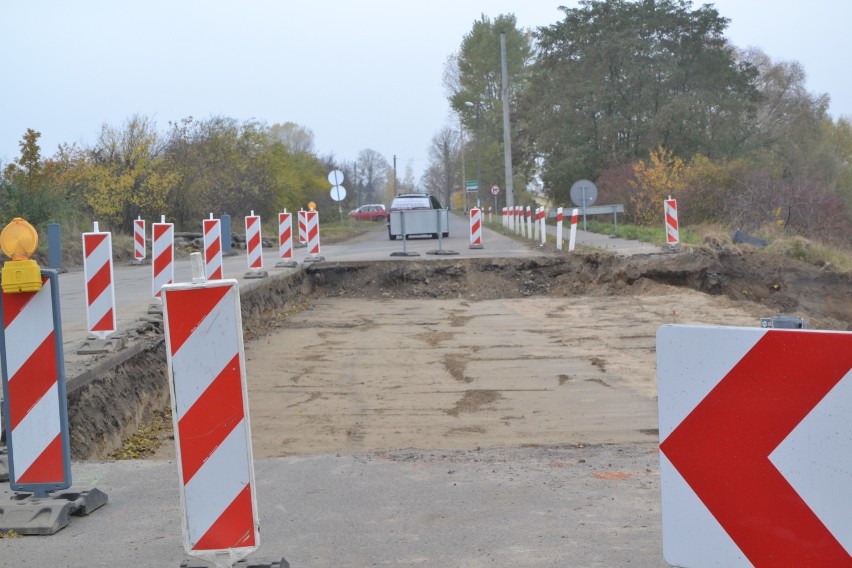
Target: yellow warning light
<point x="19" y="240"/>
<point x="312" y="206"/>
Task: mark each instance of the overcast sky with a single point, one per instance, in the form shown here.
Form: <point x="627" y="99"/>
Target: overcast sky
<point x="359" y="74"/>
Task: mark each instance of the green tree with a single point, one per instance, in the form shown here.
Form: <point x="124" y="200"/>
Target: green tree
<point x="615" y="79"/>
<point x="473" y="79"/>
<point x="28" y="189"/>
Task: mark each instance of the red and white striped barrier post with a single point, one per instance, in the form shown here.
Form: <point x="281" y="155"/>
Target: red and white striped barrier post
<point x="100" y="284"/>
<point x="572" y="236"/>
<point x="303" y="227"/>
<point x="542" y="214"/>
<point x="529" y="233"/>
<point x="559" y="228"/>
<point x="285" y="241"/>
<point x="535" y="223"/>
<point x="254" y="245"/>
<point x="672" y="231"/>
<point x="213" y="268"/>
<point x="475" y="228"/>
<point x="313" y="234"/>
<point x="519" y="219"/>
<point x="34" y="387"/>
<point x="505" y="218"/>
<point x="139" y="250"/>
<point x="162" y="254"/>
<point x="207" y="379"/>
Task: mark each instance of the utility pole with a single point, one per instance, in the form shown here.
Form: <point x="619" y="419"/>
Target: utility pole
<point x="507" y="135"/>
<point x="394" y="175"/>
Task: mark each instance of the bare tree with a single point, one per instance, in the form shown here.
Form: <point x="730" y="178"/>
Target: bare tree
<point x="442" y="174"/>
<point x="373" y="172"/>
<point x="297" y="139"/>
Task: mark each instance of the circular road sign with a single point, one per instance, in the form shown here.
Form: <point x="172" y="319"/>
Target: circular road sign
<point x="338" y="193"/>
<point x="495" y="189"/>
<point x="335" y="177"/>
<point x="583" y="193"/>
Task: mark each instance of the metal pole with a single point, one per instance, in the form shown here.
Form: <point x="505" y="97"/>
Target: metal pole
<point x="464" y="175"/>
<point x="584" y="207"/>
<point x="507" y="135"/>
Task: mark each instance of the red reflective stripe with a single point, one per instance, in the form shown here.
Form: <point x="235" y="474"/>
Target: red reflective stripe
<point x="286" y="235"/>
<point x="234" y="528"/>
<point x="209" y="225"/>
<point x="161" y="229"/>
<point x="213" y="416"/>
<point x="163" y="260"/>
<point x="35" y="377"/>
<point x="188" y="308"/>
<point x="48" y="466"/>
<point x="254" y="241"/>
<point x="672" y="221"/>
<point x="14" y="304"/>
<point x="105" y="324"/>
<point x="92" y="242"/>
<point x="99" y="282"/>
<point x="213" y="249"/>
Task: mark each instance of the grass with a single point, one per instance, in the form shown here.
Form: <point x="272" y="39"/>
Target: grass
<point x="655" y="235"/>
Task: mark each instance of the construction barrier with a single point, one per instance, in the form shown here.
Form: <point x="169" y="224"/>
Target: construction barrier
<point x="162" y="255"/>
<point x="285" y="240"/>
<point x="536" y="225"/>
<point x="303" y="227"/>
<point x="207" y="379"/>
<point x="505" y="217"/>
<point x="139" y="249"/>
<point x="672" y="231"/>
<point x="519" y="219"/>
<point x="34" y="389"/>
<point x="543" y="229"/>
<point x="572" y="236"/>
<point x="212" y="241"/>
<point x="312" y="232"/>
<point x="475" y="228"/>
<point x="100" y="286"/>
<point x="529" y="227"/>
<point x="254" y="245"/>
<point x="559" y="228"/>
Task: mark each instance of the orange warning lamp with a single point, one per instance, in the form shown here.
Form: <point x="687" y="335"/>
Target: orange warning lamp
<point x="19" y="241"/>
<point x="312" y="206"/>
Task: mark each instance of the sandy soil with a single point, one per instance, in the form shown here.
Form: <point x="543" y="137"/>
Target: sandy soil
<point x="352" y="375"/>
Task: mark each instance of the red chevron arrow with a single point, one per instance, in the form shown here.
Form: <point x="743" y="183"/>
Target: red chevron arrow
<point x="722" y="448"/>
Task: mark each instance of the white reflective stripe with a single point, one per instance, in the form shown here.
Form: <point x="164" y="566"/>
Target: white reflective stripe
<point x="29" y="330"/>
<point x="36" y="431"/>
<point x="205" y="353"/>
<point x="215" y="486"/>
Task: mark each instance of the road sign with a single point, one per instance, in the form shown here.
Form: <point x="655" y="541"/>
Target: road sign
<point x="338" y="193"/>
<point x="583" y="193"/>
<point x="756" y="446"/>
<point x="335" y="177"/>
<point x="472" y="185"/>
<point x="495" y="190"/>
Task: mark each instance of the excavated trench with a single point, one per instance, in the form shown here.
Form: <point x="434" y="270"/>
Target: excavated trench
<point x="112" y="398"/>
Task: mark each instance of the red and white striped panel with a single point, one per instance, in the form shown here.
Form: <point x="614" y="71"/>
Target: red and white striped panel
<point x="163" y="256"/>
<point x="559" y="218"/>
<point x="505" y="217"/>
<point x="519" y="219"/>
<point x="206" y="364"/>
<point x="213" y="249"/>
<point x="475" y="228"/>
<point x="312" y="227"/>
<point x="672" y="231"/>
<point x="139" y="250"/>
<point x="254" y="246"/>
<point x="285" y="236"/>
<point x="100" y="284"/>
<point x="572" y="236"/>
<point x="303" y="227"/>
<point x="36" y="399"/>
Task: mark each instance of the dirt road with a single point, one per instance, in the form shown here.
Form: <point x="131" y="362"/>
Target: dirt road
<point x="354" y="375"/>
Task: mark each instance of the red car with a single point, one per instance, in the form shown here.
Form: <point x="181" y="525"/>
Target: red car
<point x="372" y="212"/>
